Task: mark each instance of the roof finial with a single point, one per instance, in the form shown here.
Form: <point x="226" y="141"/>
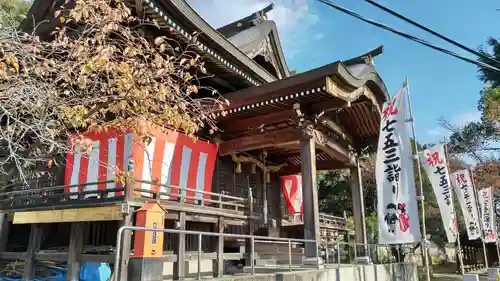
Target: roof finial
<point x="370" y="60"/>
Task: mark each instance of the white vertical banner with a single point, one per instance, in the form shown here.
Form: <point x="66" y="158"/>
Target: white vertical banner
<point x="435" y="165"/>
<point x="487" y="215"/>
<point x="462" y="184"/>
<point x="397" y="203"/>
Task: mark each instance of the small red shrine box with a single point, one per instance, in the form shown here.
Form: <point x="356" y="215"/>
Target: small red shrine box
<point x="149" y="244"/>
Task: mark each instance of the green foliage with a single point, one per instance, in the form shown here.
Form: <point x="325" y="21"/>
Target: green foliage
<point x="436" y="260"/>
<point x="489" y="105"/>
<point x="372" y="225"/>
<point x="477" y="135"/>
<point x="472" y="137"/>
<point x="13" y="12"/>
<point x="334" y="193"/>
<point x="489" y="76"/>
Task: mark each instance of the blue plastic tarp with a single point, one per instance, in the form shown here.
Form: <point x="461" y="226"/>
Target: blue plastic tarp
<point x="95" y="271"/>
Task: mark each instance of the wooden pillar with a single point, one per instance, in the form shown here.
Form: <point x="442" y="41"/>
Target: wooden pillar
<point x="180" y="268"/>
<point x="276" y="203"/>
<point x="74" y="251"/>
<point x="4" y="234"/>
<point x="309" y="192"/>
<point x="4" y="231"/>
<point x="358" y="205"/>
<point x="264" y="190"/>
<point x="126" y="243"/>
<point x="219" y="248"/>
<point x="251" y="225"/>
<point x="33" y="248"/>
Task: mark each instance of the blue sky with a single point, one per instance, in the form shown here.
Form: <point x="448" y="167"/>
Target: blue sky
<point x="313" y="34"/>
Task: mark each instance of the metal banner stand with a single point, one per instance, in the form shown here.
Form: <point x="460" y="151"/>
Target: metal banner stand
<point x="422" y="204"/>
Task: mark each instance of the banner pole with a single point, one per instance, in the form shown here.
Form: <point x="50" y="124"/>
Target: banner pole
<point x="421" y="187"/>
<point x="496" y="230"/>
<point x="498" y="252"/>
<point x="479" y="213"/>
<point x="459" y="246"/>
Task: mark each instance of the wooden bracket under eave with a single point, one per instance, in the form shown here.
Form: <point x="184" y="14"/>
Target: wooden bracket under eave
<point x="333" y="89"/>
<point x="267" y="169"/>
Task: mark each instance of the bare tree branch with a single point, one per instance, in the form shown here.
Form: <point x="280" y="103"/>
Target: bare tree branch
<point x="100" y="72"/>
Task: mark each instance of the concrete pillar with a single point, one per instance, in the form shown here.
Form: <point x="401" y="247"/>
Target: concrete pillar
<point x="358" y="204"/>
<point x="309" y="191"/>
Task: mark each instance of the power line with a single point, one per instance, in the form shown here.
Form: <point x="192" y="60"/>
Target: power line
<point x="447" y="39"/>
<point x="407" y="36"/>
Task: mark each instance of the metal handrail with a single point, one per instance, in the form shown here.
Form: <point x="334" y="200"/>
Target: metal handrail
<point x="253" y="239"/>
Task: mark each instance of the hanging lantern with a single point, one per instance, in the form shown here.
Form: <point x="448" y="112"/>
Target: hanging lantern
<point x="254" y="168"/>
<point x="238" y="167"/>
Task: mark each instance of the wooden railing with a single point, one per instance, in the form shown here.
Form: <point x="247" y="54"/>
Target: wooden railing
<point x="325" y="220"/>
<point x="192" y="196"/>
<point x="20" y="198"/>
<point x="24" y="196"/>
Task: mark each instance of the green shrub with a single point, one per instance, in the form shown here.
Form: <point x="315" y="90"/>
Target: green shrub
<point x="436" y="260"/>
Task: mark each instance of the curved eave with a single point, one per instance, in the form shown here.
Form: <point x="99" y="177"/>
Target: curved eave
<point x="305" y="83"/>
<point x="281" y="56"/>
<point x="185" y="13"/>
<point x="230" y="28"/>
<point x="370" y="78"/>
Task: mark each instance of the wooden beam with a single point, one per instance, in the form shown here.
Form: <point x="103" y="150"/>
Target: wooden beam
<point x="332" y="105"/>
<point x="107" y="213"/>
<point x="232" y="125"/>
<point x="338" y="129"/>
<point x="264" y="140"/>
<point x="320" y="166"/>
<point x="334" y="149"/>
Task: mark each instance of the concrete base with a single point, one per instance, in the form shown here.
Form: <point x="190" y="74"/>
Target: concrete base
<point x="265" y="262"/>
<point x="493" y="274"/>
<point x="363" y="260"/>
<point x="313" y="262"/>
<point x="145" y="269"/>
<point x="471" y="277"/>
<point x="377" y="272"/>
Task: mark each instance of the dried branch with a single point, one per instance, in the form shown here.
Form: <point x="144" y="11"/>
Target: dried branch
<point x="464" y="143"/>
<point x="99" y="72"/>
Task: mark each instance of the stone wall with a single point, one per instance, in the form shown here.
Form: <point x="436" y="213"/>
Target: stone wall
<point x="379" y="272"/>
